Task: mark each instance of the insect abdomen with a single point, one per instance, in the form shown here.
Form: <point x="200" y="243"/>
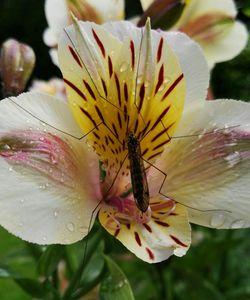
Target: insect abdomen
<point x="138" y="174"/>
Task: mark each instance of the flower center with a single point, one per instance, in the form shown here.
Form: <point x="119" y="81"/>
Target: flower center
<point x="125" y="211"/>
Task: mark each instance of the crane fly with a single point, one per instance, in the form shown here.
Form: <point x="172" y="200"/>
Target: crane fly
<point x="137" y="173"/>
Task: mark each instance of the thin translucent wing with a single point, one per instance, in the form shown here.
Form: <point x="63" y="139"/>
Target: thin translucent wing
<point x="164" y="235"/>
<point x="46" y="177"/>
<point x="209" y="170"/>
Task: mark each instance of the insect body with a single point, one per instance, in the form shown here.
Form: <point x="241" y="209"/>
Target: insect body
<point x="138" y="174"/>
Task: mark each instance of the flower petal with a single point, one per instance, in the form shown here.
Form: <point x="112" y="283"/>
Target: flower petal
<point x="127" y="81"/>
<point x="193" y="64"/>
<point x="57" y="18"/>
<point x="145" y="3"/>
<point x="208" y="166"/>
<point x="212" y="24"/>
<point x="47" y="177"/>
<point x="228" y="47"/>
<point x="154" y="241"/>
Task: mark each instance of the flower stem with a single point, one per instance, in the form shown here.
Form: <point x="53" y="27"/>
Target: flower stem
<point x="89" y="249"/>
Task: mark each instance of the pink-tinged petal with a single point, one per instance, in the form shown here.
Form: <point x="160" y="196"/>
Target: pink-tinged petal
<point x="49" y="180"/>
<point x="208" y="164"/>
<point x="153" y="236"/>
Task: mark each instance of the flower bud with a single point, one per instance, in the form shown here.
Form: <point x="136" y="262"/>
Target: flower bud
<point x="17" y="62"/>
<point x="163" y="13"/>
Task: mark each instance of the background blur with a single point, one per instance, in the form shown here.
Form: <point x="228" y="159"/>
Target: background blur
<point x="217" y="265"/>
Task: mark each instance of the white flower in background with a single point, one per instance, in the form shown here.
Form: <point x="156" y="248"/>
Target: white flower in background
<point x="212" y="24"/>
<point x="57" y="13"/>
<point x="120" y="80"/>
<point x="54" y="87"/>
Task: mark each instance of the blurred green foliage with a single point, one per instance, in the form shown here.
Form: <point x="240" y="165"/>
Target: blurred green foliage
<point x="216" y="267"/>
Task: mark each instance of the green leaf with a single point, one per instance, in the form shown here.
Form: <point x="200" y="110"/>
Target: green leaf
<point x="5" y="272"/>
<point x="49" y="260"/>
<point x="116" y="285"/>
<point x="30" y="286"/>
<point x="33" y="287"/>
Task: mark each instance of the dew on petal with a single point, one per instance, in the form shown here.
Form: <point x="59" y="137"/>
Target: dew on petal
<point x="70" y="226"/>
<point x="123" y="67"/>
<point x="238" y="224"/>
<point x="217" y="220"/>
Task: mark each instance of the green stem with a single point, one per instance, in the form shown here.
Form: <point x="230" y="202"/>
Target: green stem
<point x="88" y="251"/>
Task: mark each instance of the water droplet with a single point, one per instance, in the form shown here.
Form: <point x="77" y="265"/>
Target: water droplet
<point x="44" y="238"/>
<point x="55" y="213"/>
<point x="238" y="224"/>
<point x="41" y="138"/>
<point x="139" y="79"/>
<point x="22" y="201"/>
<point x="10" y="169"/>
<point x="6" y="147"/>
<point x="70" y="226"/>
<point x="217" y="220"/>
<point x="233" y="158"/>
<point x="42" y="186"/>
<point x="123" y="67"/>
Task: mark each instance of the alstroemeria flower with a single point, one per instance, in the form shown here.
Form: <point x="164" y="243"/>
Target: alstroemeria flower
<point x="125" y="79"/>
<point x="57" y="13"/>
<point x="212" y="24"/>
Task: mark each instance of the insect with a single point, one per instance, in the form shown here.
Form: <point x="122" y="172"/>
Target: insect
<point x="138" y="174"/>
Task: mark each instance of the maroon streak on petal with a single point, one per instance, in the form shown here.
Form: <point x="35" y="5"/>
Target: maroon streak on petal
<point x="150" y="254"/>
<point x="76" y="89"/>
<point x="132" y="48"/>
<point x="99" y="43"/>
<point x="172" y="87"/>
<point x="160" y="79"/>
<point x="75" y="56"/>
<point x="137" y="238"/>
<point x="177" y="241"/>
<point x="92" y="94"/>
<point x="149" y="229"/>
<point x="162" y="223"/>
<point x="110" y="66"/>
<point x="159" y="51"/>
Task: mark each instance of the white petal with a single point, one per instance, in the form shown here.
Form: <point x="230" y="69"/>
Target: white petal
<point x="146" y="3"/>
<point x="56" y="14"/>
<point x="196" y="8"/>
<point x="193" y="64"/>
<point x="229" y="46"/>
<point x="108" y="10"/>
<point x="57" y="17"/>
<point x="210" y="173"/>
<point x="36" y="204"/>
<point x="156" y="240"/>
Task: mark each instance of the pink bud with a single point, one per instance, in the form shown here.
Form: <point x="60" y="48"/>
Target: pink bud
<point x="17" y="61"/>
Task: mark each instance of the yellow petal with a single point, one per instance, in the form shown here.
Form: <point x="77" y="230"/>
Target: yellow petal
<point x="118" y="85"/>
<point x="154" y="241"/>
